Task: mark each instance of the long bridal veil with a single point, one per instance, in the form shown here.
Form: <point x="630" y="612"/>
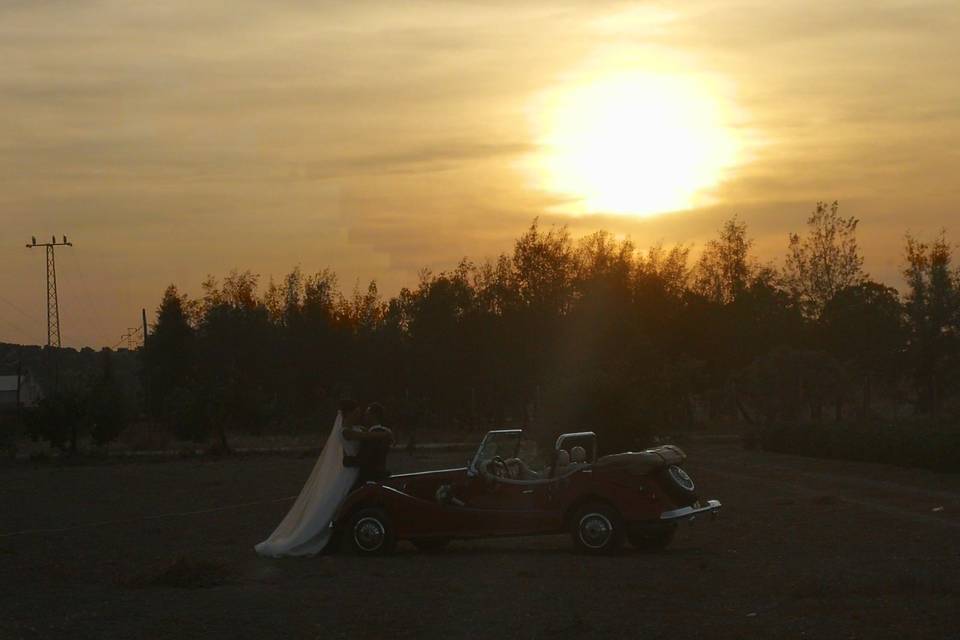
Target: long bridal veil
<point x="305" y="530"/>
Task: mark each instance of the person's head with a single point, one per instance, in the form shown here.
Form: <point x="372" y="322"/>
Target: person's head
<point x="350" y="410"/>
<point x="374" y="413"/>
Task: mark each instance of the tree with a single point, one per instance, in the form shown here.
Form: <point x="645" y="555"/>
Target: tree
<point x="783" y="382"/>
<point x="168" y="351"/>
<point x="933" y="311"/>
<point x="234" y="343"/>
<point x="862" y="325"/>
<point x="665" y="271"/>
<point x="725" y="268"/>
<point x="543" y="269"/>
<point x="824" y="261"/>
<point x="58" y="418"/>
<point x="587" y="331"/>
<point x="106" y="405"/>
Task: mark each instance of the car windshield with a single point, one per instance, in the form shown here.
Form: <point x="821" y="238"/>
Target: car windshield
<point x="511" y="444"/>
<point x="502" y="444"/>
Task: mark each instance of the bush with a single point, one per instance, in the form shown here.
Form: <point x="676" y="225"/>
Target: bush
<point x="57" y="419"/>
<point x="61" y="419"/>
<point x="926" y="444"/>
<point x="10" y="428"/>
<point x="107" y="413"/>
<point x="187" y="413"/>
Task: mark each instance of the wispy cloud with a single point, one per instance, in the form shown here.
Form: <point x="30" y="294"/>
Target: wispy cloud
<point x="181" y="138"/>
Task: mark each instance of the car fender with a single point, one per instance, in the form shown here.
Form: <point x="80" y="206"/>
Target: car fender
<point x="635" y="501"/>
<point x="412" y="516"/>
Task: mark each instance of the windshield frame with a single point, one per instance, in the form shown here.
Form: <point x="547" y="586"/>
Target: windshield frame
<point x="472" y="469"/>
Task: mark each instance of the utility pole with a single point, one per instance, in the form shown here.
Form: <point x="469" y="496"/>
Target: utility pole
<point x="53" y="311"/>
<point x="19" y="379"/>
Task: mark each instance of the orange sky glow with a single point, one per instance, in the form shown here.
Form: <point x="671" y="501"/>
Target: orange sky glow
<point x="174" y="140"/>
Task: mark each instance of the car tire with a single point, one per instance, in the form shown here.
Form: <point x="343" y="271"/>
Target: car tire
<point x="429" y="545"/>
<point x="597" y="528"/>
<point x="656" y="538"/>
<point x="371" y="532"/>
<point x="678" y="486"/>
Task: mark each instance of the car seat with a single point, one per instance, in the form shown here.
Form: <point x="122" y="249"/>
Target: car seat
<point x="563" y="463"/>
<point x="578" y="455"/>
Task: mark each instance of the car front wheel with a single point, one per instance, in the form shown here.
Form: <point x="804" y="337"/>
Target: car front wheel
<point x="597" y="528"/>
<point x="371" y="532"/>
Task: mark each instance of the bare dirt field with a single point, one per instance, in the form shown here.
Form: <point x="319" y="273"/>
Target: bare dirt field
<point x="803" y="548"/>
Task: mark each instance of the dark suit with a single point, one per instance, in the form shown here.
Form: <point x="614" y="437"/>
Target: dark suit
<point x="372" y="457"/>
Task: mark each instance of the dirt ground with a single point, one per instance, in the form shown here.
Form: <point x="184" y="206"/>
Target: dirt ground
<point x="803" y="549"/>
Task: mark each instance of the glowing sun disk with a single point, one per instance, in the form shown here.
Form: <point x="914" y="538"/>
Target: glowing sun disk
<point x="635" y="143"/>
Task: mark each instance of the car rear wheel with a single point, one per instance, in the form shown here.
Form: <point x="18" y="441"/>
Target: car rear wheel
<point x="597" y="528"/>
<point x="655" y="538"/>
<point x="678" y="486"/>
<point x="430" y="544"/>
<point x="371" y="532"/>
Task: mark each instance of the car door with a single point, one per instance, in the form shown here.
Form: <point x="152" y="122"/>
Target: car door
<point x="511" y="507"/>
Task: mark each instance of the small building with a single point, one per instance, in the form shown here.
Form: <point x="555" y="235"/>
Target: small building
<point x="19" y="389"/>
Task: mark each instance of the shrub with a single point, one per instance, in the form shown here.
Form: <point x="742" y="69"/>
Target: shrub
<point x="57" y="419"/>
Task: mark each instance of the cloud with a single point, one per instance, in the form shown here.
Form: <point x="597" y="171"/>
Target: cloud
<point x="177" y="139"/>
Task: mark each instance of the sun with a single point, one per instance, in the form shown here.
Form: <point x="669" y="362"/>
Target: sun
<point x="633" y="143"/>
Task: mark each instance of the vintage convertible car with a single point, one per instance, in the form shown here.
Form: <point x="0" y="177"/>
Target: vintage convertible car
<point x="638" y="496"/>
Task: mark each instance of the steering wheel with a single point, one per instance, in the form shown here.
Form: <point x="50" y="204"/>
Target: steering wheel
<point x="498" y="468"/>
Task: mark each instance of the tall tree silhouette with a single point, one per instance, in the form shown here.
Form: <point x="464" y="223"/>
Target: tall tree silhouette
<point x="825" y="260"/>
<point x="933" y="310"/>
<point x="168" y="351"/>
<point x="725" y="268"/>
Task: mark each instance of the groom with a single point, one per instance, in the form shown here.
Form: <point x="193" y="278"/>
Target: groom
<point x="373" y="451"/>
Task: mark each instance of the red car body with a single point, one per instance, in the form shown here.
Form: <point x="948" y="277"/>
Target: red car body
<point x="634" y="495"/>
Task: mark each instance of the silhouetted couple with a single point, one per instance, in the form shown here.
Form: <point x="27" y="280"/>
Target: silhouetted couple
<point x="374" y="440"/>
<point x="353" y="454"/>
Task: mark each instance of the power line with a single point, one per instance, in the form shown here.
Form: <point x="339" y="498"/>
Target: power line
<point x="28" y="316"/>
<point x="53" y="310"/>
<point x="92" y="313"/>
<point x="27" y="334"/>
<point x="129" y="336"/>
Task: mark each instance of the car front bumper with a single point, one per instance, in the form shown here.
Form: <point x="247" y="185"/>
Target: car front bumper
<point x="689" y="513"/>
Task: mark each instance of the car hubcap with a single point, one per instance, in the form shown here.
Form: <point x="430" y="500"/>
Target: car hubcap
<point x="595" y="530"/>
<point x="369" y="533"/>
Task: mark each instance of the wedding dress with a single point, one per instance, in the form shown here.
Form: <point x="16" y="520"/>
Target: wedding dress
<point x="305" y="530"/>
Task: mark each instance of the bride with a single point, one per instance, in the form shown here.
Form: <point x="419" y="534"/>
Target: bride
<point x="305" y="530"/>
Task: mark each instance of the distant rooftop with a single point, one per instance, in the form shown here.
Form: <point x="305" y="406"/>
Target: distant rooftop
<point x="8" y="383"/>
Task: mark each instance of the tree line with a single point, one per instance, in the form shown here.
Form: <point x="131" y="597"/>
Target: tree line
<point x="561" y="333"/>
<point x="808" y="355"/>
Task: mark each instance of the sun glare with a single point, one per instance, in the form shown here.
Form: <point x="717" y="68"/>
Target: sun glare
<point x="633" y="143"/>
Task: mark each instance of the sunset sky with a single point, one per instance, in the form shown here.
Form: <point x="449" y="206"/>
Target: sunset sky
<point x="179" y="139"/>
